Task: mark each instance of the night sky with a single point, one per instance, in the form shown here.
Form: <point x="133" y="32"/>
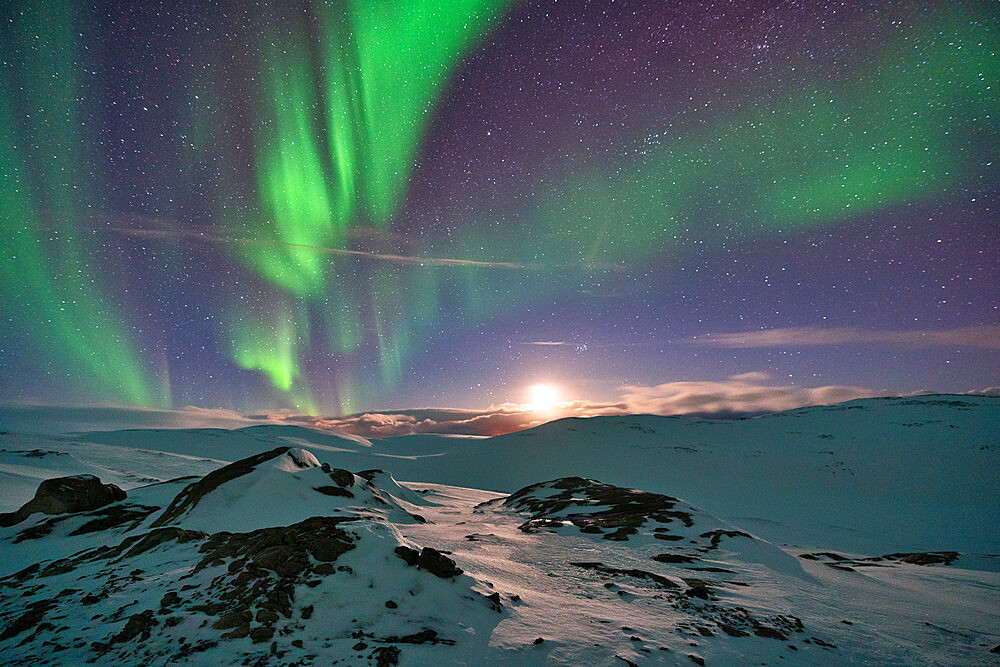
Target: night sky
<point x="333" y="207"/>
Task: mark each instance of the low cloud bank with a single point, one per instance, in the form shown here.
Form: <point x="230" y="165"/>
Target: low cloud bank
<point x="736" y="396"/>
<point x="739" y="395"/>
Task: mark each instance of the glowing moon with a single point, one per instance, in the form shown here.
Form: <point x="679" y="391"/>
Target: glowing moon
<point x="543" y="397"/>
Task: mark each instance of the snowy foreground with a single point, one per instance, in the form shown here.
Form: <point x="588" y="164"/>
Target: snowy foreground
<point x="860" y="533"/>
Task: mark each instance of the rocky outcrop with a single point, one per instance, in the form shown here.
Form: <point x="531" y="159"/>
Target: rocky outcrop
<point x="62" y="495"/>
<point x="594" y="507"/>
<point x="429" y="559"/>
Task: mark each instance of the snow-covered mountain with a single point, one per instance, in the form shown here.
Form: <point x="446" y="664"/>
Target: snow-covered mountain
<point x="863" y="532"/>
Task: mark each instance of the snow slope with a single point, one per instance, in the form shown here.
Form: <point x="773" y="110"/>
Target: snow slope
<point x="871" y="476"/>
<point x="223" y="569"/>
<point x="858" y="533"/>
<point x="271" y="556"/>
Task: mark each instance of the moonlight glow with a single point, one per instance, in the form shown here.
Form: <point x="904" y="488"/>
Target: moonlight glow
<point x="543" y="398"/>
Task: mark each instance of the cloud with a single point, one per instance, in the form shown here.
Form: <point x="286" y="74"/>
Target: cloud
<point x="491" y="421"/>
<point x="737" y="395"/>
<point x="987" y="336"/>
<point x="753" y="376"/>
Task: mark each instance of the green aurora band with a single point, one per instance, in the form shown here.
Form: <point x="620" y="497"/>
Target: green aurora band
<point x="814" y="157"/>
<point x="342" y="118"/>
<point x="54" y="298"/>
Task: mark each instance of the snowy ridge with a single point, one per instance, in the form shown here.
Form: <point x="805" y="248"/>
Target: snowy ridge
<point x="215" y="573"/>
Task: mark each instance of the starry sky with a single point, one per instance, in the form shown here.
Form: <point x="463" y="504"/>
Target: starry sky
<point x="329" y="207"/>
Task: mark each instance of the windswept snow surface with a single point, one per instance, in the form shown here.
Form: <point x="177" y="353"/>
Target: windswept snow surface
<point x="858" y="533"/>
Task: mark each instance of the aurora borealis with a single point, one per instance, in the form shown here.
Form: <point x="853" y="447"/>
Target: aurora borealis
<point x="330" y="207"/>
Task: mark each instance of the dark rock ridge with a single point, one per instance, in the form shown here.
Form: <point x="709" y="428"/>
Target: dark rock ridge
<point x="594" y="507"/>
<point x="62" y="495"/>
<point x="841" y="562"/>
<point x="105" y="518"/>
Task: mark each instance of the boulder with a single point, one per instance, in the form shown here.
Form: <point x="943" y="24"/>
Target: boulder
<point x="437" y="563"/>
<point x="61" y="495"/>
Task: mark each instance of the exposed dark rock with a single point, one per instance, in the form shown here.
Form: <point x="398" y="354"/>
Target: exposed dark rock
<point x="731" y="631"/>
<point x="840" y="562"/>
<point x="437" y="563"/>
<point x="923" y="558"/>
<point x="768" y="632"/>
<point x="668" y="538"/>
<point x="170" y="599"/>
<point x="233" y="619"/>
<point x="538" y="641"/>
<point x="334" y="491"/>
<point x="239" y="632"/>
<point x="40" y="529"/>
<point x="386" y="656"/>
<point x="284" y="550"/>
<point x="823" y="555"/>
<point x="133" y="546"/>
<point x="717" y="535"/>
<point x="265" y="616"/>
<point x="63" y="495"/>
<point x="389" y="604"/>
<point x="411" y="556"/>
<point x="623" y="511"/>
<point x="138" y="625"/>
<point x="29" y="619"/>
<point x="425" y="636"/>
<point x="115" y="516"/>
<point x="341" y="477"/>
<point x="698" y="592"/>
<point x="674" y="558"/>
<point x="262" y="634"/>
